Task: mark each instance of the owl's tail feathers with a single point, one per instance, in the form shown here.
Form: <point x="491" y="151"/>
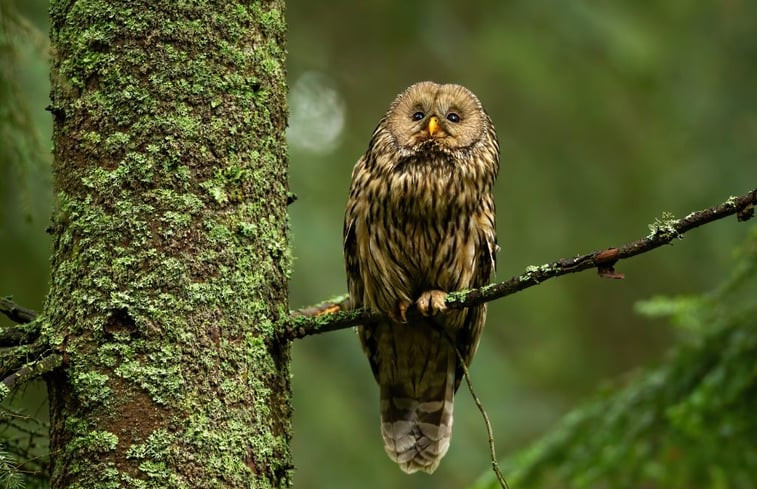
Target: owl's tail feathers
<point x="417" y="428"/>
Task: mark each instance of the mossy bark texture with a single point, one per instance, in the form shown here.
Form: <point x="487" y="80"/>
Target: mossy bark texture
<point x="171" y="255"/>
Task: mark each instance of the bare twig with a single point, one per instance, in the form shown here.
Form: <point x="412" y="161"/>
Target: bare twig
<point x="19" y="334"/>
<point x="28" y="447"/>
<point x="480" y="406"/>
<point x="23" y="423"/>
<point x="23" y="430"/>
<point x="662" y="232"/>
<point x="16" y="313"/>
<point x="36" y="466"/>
<point x="6" y="412"/>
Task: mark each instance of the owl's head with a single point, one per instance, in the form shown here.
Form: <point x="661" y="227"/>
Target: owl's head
<point x="430" y="116"/>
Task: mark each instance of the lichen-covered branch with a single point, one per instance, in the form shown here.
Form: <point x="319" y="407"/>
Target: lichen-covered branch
<point x="12" y="359"/>
<point x="29" y="371"/>
<point x="25" y="331"/>
<point x="334" y="315"/>
<point x="21" y="360"/>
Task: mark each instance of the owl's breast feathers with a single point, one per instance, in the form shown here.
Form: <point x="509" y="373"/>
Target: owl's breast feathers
<point x="421" y="221"/>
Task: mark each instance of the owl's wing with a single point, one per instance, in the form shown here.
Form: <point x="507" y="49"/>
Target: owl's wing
<point x="353" y="218"/>
<point x="351" y="262"/>
<point x="469" y="334"/>
<point x="487" y="259"/>
<point x="355" y="281"/>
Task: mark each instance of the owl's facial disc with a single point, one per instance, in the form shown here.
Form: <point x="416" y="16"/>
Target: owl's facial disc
<point x="433" y="117"/>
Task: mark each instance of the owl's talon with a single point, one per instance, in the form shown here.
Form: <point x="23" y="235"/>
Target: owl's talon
<point x="400" y="314"/>
<point x="431" y="302"/>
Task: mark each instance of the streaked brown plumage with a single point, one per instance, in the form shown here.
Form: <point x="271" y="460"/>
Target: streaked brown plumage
<point x="420" y="223"/>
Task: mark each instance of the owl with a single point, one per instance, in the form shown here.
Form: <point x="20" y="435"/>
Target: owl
<point x="419" y="223"/>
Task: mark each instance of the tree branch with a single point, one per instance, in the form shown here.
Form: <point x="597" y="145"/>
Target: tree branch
<point x="30" y="371"/>
<point x="23" y="333"/>
<point x="334" y="314"/>
<point x="16" y="313"/>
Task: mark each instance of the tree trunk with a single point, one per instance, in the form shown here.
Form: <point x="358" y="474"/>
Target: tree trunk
<point x="171" y="256"/>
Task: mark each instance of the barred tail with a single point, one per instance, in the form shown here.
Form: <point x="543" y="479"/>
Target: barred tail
<point x="416" y="414"/>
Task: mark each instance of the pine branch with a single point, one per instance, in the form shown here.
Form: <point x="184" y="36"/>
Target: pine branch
<point x="335" y="314"/>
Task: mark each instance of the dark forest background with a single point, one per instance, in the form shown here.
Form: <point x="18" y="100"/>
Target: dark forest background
<point x="608" y="114"/>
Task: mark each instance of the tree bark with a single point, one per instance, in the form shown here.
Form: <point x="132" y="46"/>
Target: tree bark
<point x="170" y="253"/>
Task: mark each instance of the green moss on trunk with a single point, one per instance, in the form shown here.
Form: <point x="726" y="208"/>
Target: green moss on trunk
<point x="171" y="250"/>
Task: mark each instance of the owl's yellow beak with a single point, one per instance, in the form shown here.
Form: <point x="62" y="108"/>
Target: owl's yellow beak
<point x="433" y="125"/>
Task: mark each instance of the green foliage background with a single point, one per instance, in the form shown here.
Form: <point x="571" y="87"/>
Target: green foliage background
<point x="608" y="114"/>
<point x="689" y="422"/>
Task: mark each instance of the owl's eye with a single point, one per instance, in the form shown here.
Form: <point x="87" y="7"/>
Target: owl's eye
<point x="418" y="116"/>
<point x="453" y="117"/>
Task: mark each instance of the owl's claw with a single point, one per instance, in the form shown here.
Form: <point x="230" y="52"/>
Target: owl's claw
<point x="431" y="302"/>
<point x="400" y="314"/>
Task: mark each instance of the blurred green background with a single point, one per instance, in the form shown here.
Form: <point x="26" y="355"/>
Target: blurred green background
<point x="608" y="114"/>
